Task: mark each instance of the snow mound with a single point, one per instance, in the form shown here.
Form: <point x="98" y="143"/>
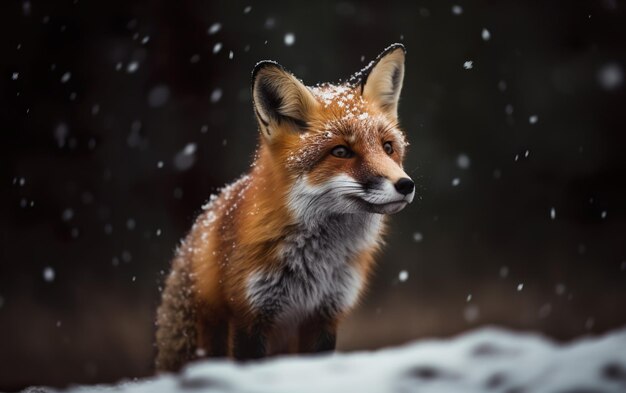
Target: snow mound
<point x="487" y="360"/>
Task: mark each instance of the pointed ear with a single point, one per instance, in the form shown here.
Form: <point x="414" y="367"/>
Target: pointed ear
<point x="382" y="84"/>
<point x="279" y="98"/>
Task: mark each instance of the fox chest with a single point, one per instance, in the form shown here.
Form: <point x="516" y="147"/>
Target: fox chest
<point x="317" y="273"/>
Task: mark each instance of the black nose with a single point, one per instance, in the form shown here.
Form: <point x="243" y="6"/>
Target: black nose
<point x="405" y="186"/>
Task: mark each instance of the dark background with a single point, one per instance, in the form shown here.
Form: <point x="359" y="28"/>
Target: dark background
<point x="83" y="196"/>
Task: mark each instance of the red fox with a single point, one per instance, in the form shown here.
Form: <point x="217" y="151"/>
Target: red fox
<point x="281" y="255"/>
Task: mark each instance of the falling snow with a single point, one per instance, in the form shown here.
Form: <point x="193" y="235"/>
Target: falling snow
<point x="127" y="256"/>
<point x="186" y="158"/>
<point x="131" y="224"/>
<point x="216" y="95"/>
<point x="66" y="77"/>
<point x="485" y="35"/>
<point x="214" y="28"/>
<point x="67" y="214"/>
<point x="468" y="65"/>
<point x="463" y="161"/>
<point x="471" y="313"/>
<point x="48" y="274"/>
<point x="545" y="310"/>
<point x="132" y="67"/>
<point x="611" y="76"/>
<point x="290" y="39"/>
<point x="61" y="132"/>
<point x="403" y="276"/>
<point x="158" y="96"/>
<point x="504" y="272"/>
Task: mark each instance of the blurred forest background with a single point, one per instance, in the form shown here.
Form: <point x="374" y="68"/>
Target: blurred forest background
<point x="120" y="118"/>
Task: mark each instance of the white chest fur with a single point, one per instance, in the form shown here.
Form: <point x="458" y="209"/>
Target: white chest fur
<point x="316" y="272"/>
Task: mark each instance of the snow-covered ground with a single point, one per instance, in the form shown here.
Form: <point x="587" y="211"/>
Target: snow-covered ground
<point x="487" y="360"/>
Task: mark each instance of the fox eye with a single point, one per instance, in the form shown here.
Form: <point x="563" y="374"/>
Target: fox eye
<point x="342" y="152"/>
<point x="388" y="148"/>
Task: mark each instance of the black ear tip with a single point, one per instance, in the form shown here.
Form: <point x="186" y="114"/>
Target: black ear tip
<point x="393" y="47"/>
<point x="263" y="64"/>
<point x="361" y="77"/>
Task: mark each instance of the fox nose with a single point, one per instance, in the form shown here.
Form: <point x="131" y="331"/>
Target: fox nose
<point x="405" y="186"/>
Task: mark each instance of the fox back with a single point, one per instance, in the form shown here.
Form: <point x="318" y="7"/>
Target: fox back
<point x="278" y="257"/>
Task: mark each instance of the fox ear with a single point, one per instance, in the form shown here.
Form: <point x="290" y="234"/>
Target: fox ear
<point x="383" y="82"/>
<point x="279" y="97"/>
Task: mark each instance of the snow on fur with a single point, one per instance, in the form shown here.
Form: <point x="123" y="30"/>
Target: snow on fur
<point x="487" y="360"/>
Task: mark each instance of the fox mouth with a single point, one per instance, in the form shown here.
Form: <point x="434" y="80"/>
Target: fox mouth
<point x="382" y="208"/>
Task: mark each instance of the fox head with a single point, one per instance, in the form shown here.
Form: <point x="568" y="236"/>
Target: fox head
<point x="340" y="145"/>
